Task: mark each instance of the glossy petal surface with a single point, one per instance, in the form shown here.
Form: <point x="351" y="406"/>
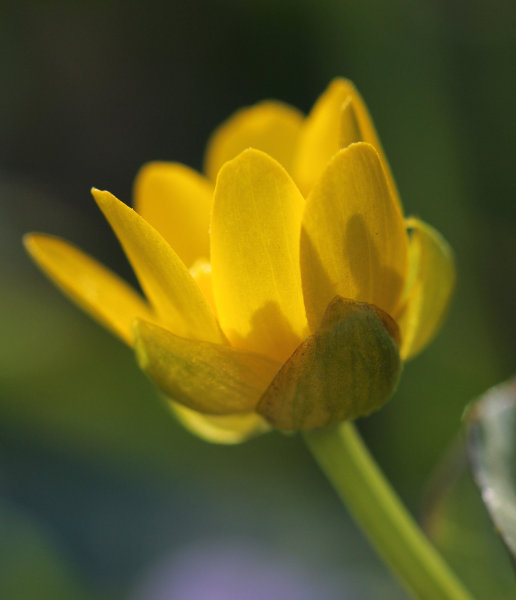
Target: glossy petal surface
<point x="353" y="241"/>
<point x="176" y="201"/>
<point x="255" y="256"/>
<point x="97" y="290"/>
<point x="164" y="278"/>
<point x="201" y="273"/>
<point x="211" y="378"/>
<point x="272" y="127"/>
<point x="347" y="369"/>
<point x="431" y="283"/>
<point x="221" y="429"/>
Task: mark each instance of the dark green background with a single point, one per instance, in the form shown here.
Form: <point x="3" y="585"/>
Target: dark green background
<point x="97" y="482"/>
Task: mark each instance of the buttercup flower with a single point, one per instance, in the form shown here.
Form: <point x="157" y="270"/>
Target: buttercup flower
<point x="284" y="288"/>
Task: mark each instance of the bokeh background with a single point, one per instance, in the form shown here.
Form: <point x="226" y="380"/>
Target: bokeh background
<point x="102" y="495"/>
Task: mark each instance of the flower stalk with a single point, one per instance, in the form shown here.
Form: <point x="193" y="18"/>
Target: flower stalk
<point x="357" y="479"/>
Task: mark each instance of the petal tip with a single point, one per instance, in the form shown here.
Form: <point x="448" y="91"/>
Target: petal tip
<point x="30" y="241"/>
<point x="102" y="197"/>
<point x="36" y="243"/>
<point x="248" y="156"/>
<point x="341" y="82"/>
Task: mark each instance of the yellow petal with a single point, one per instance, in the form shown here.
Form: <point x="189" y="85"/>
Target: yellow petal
<point x="220" y="429"/>
<point x="368" y="134"/>
<point x="432" y="280"/>
<point x="350" y="132"/>
<point x="347" y="369"/>
<point x="353" y="242"/>
<point x="255" y="255"/>
<point x="365" y="123"/>
<point x="321" y="135"/>
<point x="164" y="278"/>
<point x="176" y="201"/>
<point x="97" y="290"/>
<point x="211" y="378"/>
<point x="201" y="273"/>
<point x="338" y="118"/>
<point x="269" y="126"/>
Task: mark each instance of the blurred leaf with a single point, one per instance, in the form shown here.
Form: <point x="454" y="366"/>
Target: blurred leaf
<point x="31" y="565"/>
<point x="492" y="450"/>
<point x="456" y="521"/>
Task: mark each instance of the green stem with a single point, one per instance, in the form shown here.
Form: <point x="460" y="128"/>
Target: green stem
<point x="349" y="466"/>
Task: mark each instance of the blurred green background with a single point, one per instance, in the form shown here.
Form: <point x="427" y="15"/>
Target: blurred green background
<point x="102" y="495"/>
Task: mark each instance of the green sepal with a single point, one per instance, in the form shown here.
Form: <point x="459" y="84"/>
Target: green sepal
<point x="214" y="379"/>
<point x="347" y="369"/>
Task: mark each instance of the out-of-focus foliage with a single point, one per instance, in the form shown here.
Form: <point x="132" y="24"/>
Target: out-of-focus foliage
<point x="456" y="521"/>
<point x="92" y="464"/>
<point x="31" y="567"/>
<point x="492" y="447"/>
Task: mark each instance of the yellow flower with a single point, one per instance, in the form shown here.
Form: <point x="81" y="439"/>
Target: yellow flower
<point x="283" y="295"/>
